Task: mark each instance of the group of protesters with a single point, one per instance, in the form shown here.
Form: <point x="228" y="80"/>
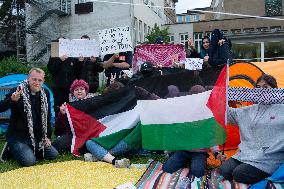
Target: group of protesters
<point x="73" y="79"/>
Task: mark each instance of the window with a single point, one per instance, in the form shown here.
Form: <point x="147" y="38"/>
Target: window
<point x="145" y="32"/>
<point x="196" y="18"/>
<point x="262" y="29"/>
<point x="172" y="39"/>
<point x="183" y="38"/>
<point x="273" y="7"/>
<point x="248" y="30"/>
<point x="197" y="40"/>
<point x="225" y="32"/>
<point x="187" y="18"/>
<point x="135" y="29"/>
<point x="275" y="28"/>
<point x="236" y="31"/>
<point x="149" y="29"/>
<point x="140" y="32"/>
<point x="179" y="19"/>
<point x="208" y="34"/>
<point x="65" y="6"/>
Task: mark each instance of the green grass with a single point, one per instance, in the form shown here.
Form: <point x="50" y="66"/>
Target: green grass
<point x="12" y="164"/>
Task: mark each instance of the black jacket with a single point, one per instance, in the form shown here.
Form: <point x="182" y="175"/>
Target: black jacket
<point x="64" y="72"/>
<point x="218" y="55"/>
<point x="90" y="74"/>
<point x="18" y="125"/>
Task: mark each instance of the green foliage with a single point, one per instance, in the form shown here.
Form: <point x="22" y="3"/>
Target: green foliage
<point x="157" y="32"/>
<point x="12" y="65"/>
<point x="10" y="12"/>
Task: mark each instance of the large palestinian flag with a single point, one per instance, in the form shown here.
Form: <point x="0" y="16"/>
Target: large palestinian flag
<point x="183" y="122"/>
<point x="180" y="123"/>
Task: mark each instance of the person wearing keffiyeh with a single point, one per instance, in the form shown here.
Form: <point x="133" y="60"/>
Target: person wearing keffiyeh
<point x="261" y="151"/>
<point x="29" y="130"/>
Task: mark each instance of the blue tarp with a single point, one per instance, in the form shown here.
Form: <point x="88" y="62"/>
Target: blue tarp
<point x="277" y="177"/>
<point x="14" y="80"/>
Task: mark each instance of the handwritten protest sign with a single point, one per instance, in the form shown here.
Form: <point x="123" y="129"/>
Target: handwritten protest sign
<point x="193" y="63"/>
<point x="78" y="47"/>
<point x="115" y="40"/>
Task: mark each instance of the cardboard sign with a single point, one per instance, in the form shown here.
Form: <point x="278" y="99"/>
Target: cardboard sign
<point x="78" y="47"/>
<point x="115" y="40"/>
<point x="54" y="49"/>
<point x="193" y="63"/>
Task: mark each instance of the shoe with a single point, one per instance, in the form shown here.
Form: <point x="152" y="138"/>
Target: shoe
<point x="5" y="153"/>
<point x="122" y="163"/>
<point x="90" y="157"/>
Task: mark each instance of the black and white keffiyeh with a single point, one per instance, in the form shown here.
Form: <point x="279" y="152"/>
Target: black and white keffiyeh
<point x="28" y="110"/>
<point x="257" y="95"/>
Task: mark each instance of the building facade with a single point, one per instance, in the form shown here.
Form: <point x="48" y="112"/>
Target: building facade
<point x="254" y="39"/>
<point x="46" y="20"/>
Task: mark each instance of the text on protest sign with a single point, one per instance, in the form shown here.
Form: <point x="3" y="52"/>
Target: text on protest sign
<point x="115" y="40"/>
<point x="78" y="47"/>
<point x="193" y="63"/>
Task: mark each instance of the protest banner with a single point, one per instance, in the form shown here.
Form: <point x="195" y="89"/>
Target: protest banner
<point x="78" y="47"/>
<point x="115" y="40"/>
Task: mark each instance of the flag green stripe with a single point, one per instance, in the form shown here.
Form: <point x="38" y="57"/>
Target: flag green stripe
<point x="131" y="136"/>
<point x="183" y="136"/>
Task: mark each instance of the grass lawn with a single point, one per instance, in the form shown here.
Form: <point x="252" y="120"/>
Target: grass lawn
<point x="12" y="164"/>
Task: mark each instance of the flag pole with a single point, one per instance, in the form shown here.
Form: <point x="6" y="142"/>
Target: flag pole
<point x="227" y="98"/>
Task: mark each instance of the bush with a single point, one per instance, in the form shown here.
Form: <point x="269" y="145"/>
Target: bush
<point x="12" y="65"/>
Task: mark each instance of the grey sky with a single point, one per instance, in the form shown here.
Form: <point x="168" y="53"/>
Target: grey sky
<point x="183" y="5"/>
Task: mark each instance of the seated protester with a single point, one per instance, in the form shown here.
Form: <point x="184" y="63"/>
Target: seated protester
<point x="91" y="67"/>
<point x="98" y="152"/>
<point x="173" y="91"/>
<point x="115" y="63"/>
<point x="79" y="90"/>
<point x="262" y="134"/>
<point x="29" y="130"/>
<point x="197" y="157"/>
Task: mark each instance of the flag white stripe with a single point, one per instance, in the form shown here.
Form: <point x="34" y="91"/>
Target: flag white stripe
<point x="117" y="122"/>
<point x="175" y="110"/>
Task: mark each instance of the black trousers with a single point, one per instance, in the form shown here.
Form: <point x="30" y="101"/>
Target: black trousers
<point x="63" y="143"/>
<point x="60" y="96"/>
<point x="241" y="172"/>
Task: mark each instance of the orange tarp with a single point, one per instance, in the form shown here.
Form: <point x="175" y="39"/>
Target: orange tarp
<point x="274" y="68"/>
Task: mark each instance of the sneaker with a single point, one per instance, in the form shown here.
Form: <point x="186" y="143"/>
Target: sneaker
<point x="184" y="183"/>
<point x="5" y="154"/>
<point x="90" y="157"/>
<point x="122" y="163"/>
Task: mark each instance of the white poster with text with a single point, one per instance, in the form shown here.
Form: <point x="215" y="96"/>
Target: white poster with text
<point x="115" y="40"/>
<point x="78" y="47"/>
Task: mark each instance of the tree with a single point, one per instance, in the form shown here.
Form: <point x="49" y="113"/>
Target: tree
<point x="11" y="12"/>
<point x="157" y="32"/>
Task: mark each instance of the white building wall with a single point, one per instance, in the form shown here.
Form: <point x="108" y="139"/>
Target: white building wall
<point x="177" y="29"/>
<point x="105" y="15"/>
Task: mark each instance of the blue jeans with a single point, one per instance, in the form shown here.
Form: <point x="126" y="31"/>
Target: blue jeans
<point x="99" y="152"/>
<point x="23" y="153"/>
<point x="180" y="158"/>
